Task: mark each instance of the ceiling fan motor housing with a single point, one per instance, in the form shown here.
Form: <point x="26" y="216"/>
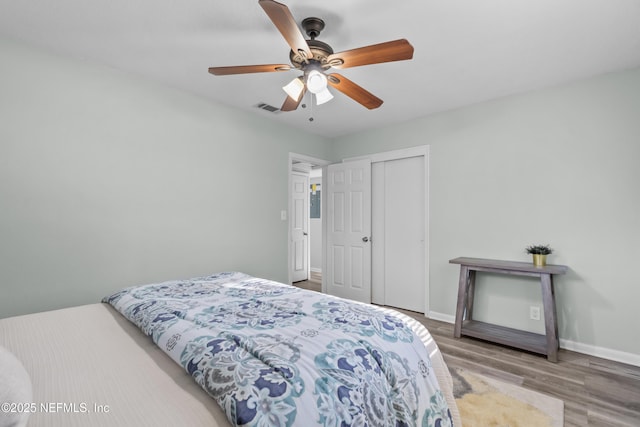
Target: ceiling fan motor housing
<point x="320" y="50"/>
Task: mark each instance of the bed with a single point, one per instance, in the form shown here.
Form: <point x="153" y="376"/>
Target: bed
<point x="227" y="349"/>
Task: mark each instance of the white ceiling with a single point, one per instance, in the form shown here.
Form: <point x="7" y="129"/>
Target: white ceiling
<point x="466" y="51"/>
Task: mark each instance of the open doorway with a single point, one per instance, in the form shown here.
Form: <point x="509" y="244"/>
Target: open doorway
<point x="315" y="226"/>
<point x="306" y="218"/>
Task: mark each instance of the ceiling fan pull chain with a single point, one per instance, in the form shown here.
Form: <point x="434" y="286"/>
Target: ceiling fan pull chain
<point x="311" y="103"/>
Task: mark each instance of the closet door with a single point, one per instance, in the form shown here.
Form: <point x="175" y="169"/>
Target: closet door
<point x="398" y="233"/>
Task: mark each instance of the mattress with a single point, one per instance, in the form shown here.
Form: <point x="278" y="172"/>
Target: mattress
<point x="90" y="366"/>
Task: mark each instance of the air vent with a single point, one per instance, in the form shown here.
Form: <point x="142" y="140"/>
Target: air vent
<point x="267" y="107"/>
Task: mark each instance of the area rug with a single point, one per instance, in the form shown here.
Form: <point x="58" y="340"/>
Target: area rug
<point x="486" y="402"/>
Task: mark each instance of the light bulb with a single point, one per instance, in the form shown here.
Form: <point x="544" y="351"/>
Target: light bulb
<point x="316" y="82"/>
<point x="323" y="96"/>
<point x="294" y="88"/>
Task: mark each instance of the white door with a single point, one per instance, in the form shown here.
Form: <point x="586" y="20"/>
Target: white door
<point x="299" y="227"/>
<point x="348" y="250"/>
<point x="404" y="234"/>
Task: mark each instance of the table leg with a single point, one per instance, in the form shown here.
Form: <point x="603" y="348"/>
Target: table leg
<point x="463" y="284"/>
<point x="471" y="293"/>
<point x="550" y="320"/>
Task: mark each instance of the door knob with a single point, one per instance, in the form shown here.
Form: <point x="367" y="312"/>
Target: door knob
<point x="304" y="233"/>
<point x="365" y="239"/>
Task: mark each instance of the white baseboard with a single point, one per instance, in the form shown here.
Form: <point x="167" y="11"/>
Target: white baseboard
<point x="605" y="353"/>
<point x="442" y="317"/>
<point x="591" y="350"/>
<point x="315" y="270"/>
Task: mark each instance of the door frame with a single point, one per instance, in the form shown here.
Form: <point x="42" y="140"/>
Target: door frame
<point x="304" y="177"/>
<point x="295" y="157"/>
<point x="422" y="150"/>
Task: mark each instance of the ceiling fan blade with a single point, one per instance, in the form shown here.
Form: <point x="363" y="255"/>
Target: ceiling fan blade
<point x="246" y="69"/>
<point x="353" y="91"/>
<point x="281" y="17"/>
<point x="397" y="50"/>
<point x="291" y="104"/>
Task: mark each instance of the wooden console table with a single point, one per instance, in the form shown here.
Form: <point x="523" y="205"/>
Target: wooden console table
<point x="465" y="325"/>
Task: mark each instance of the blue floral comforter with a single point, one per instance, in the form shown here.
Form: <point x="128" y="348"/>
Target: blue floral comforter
<point x="271" y="354"/>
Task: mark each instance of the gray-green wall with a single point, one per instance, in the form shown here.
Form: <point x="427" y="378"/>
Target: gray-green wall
<point x="109" y="180"/>
<point x="557" y="166"/>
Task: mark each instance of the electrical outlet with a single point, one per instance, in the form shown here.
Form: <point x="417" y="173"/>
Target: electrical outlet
<point x="534" y="312"/>
<point x="283" y="215"/>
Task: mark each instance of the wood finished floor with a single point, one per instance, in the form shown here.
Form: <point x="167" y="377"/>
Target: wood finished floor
<point x="595" y="391"/>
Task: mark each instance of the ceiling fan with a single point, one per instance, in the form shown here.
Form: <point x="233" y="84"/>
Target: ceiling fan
<point x="314" y="58"/>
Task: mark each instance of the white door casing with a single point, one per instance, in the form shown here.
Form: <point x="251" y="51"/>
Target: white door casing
<point x="295" y="158"/>
<point x="348" y="249"/>
<point x="299" y="226"/>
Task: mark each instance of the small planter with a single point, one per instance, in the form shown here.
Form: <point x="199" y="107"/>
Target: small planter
<point x="539" y="260"/>
<point x="539" y="253"/>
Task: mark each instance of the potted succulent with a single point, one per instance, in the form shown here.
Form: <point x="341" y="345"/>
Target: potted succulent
<point x="539" y="253"/>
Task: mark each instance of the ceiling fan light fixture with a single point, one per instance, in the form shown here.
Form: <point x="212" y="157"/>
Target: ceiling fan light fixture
<point x="323" y="96"/>
<point x="294" y="88"/>
<point x="313" y="58"/>
<point x="316" y="82"/>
